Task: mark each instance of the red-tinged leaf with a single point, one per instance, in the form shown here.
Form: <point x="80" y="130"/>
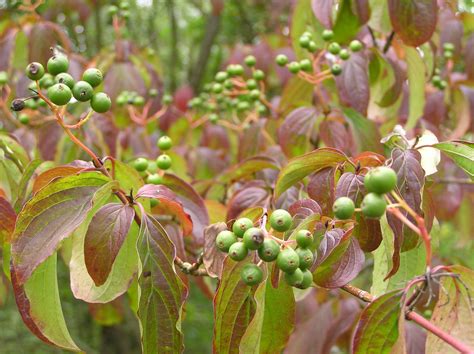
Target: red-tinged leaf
<point x="247" y="168"/>
<point x="40" y="307"/>
<point x="377" y="330"/>
<point x="251" y="141"/>
<point x="353" y="83"/>
<point x="339" y="259"/>
<point x="369" y="159"/>
<point x="250" y="195"/>
<point x="169" y="204"/>
<point x="7" y="220"/>
<point x="302" y="166"/>
<point x="192" y="202"/>
<point x="322" y="9"/>
<point x="435" y="110"/>
<point x="296" y="93"/>
<point x="394" y="92"/>
<point x="365" y="131"/>
<point x="42" y="36"/>
<point x="123" y="76"/>
<point x="305" y="208"/>
<point x="233" y="308"/>
<point x="322" y="187"/>
<point x="213" y="259"/>
<point x="104" y="238"/>
<point x="362" y="10"/>
<point x="367" y="231"/>
<point x="453" y="312"/>
<point x="49" y="217"/>
<point x="50" y="175"/>
<point x="295" y="132"/>
<point x="162" y="291"/>
<point x="413" y="20"/>
<point x="336" y="135"/>
<point x="273" y="321"/>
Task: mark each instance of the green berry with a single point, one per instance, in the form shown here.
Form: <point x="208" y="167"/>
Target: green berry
<point x="251" y="84"/>
<point x="251" y="274"/>
<point x="269" y="250"/>
<point x="235" y="70"/>
<point x="31" y="104"/>
<point x="304" y="41"/>
<point x="165" y="143"/>
<point x="221" y="76"/>
<point x="334" y="48"/>
<point x="254" y="95"/>
<point x="4" y="78"/>
<point x="46" y="81"/>
<point x="153" y="92"/>
<point x="238" y="251"/>
<point x="306" y="257"/>
<point x="380" y="180"/>
<point x="281" y="59"/>
<point x="288" y="260"/>
<point x="436" y="79"/>
<point x="306" y="65"/>
<point x="327" y="35"/>
<point x="355" y="46"/>
<point x="304" y="238"/>
<point x="307" y="279"/>
<point x="294" y="67"/>
<point x="241" y="225"/>
<point x="124" y="5"/>
<point x="313" y="47"/>
<point x="140" y="164"/>
<point x="336" y="69"/>
<point x="448" y="54"/>
<point x="217" y="88"/>
<point x="225" y="239"/>
<point x="167" y="99"/>
<point x="93" y="76"/>
<point x="344" y="54"/>
<point x="154" y="178"/>
<point x="443" y="84"/>
<point x="261" y="109"/>
<point x="213" y="118"/>
<point x="57" y="64"/>
<point x="59" y="94"/>
<point x="253" y="238"/>
<point x="35" y="71"/>
<point x="281" y="220"/>
<point x="23" y="119"/>
<point x="258" y="75"/>
<point x="112" y="10"/>
<point x="250" y="60"/>
<point x="138" y="101"/>
<point x="343" y="208"/>
<point x="448" y="47"/>
<point x="163" y="162"/>
<point x="243" y="106"/>
<point x="101" y="102"/>
<point x="373" y="205"/>
<point x="82" y="91"/>
<point x="228" y="84"/>
<point x="66" y="79"/>
<point x="295" y="279"/>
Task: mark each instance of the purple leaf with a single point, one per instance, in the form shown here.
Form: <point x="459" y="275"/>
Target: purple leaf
<point x="104" y="238"/>
<point x="295" y="132"/>
<point x="469" y="57"/>
<point x="305" y="207"/>
<point x="362" y="10"/>
<point x="321" y="187"/>
<point x="213" y="259"/>
<point x="322" y="9"/>
<point x="250" y="195"/>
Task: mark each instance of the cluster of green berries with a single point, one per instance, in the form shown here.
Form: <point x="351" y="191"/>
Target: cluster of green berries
<point x="162" y="162"/>
<point x="213" y="99"/>
<point x="3" y="78"/>
<point x="448" y="53"/>
<point x="244" y="238"/>
<point x="448" y="50"/>
<point x="306" y="41"/>
<point x="61" y="86"/>
<point x="135" y="99"/>
<point x="377" y="181"/>
<point x="122" y="10"/>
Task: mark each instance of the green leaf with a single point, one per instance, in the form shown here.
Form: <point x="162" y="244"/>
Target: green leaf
<point x="40" y="307"/>
<point x="347" y="23"/>
<point x="51" y="216"/>
<point x="462" y="153"/>
<point x="303" y="20"/>
<point x="14" y="151"/>
<point x="412" y="263"/>
<point x="162" y="291"/>
<point x="377" y="330"/>
<point x="247" y="168"/>
<point x="233" y="308"/>
<point x="416" y="85"/>
<point x="453" y="312"/>
<point x="364" y="130"/>
<point x="302" y="166"/>
<point x="273" y="322"/>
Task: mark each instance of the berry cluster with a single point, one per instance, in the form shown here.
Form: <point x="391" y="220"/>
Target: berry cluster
<point x="306" y="42"/>
<point x="133" y="98"/>
<point x="162" y="162"/>
<point x="448" y="53"/>
<point x="122" y="10"/>
<point x="244" y="238"/>
<point x="61" y="86"/>
<point x="377" y="181"/>
<point x="232" y="92"/>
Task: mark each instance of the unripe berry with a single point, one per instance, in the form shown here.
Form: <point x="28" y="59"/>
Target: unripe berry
<point x="163" y="162"/>
<point x="373" y="205"/>
<point x="217" y="88"/>
<point x="167" y="99"/>
<point x="238" y="251"/>
<point x="294" y="67"/>
<point x="307" y="279"/>
<point x="82" y="91"/>
<point x="93" y="76"/>
<point x="250" y="60"/>
<point x="4" y="78"/>
<point x="380" y="180"/>
<point x="140" y="164"/>
<point x="327" y="35"/>
<point x="313" y="47"/>
<point x="336" y="69"/>
<point x="355" y="46"/>
<point x="251" y="84"/>
<point x="23" y="119"/>
<point x="253" y="238"/>
<point x="59" y="94"/>
<point x="258" y="75"/>
<point x="304" y="238"/>
<point x="241" y="225"/>
<point x="280" y="220"/>
<point x="334" y="48"/>
<point x="306" y="65"/>
<point x="57" y="64"/>
<point x="343" y="208"/>
<point x="304" y="41"/>
<point x="254" y="95"/>
<point x="225" y="239"/>
<point x="295" y="279"/>
<point x="269" y="250"/>
<point x="281" y="59"/>
<point x="46" y="81"/>
<point x="306" y="257"/>
<point x="101" y="102"/>
<point x="154" y="178"/>
<point x="66" y="79"/>
<point x="221" y="76"/>
<point x="138" y="101"/>
<point x="153" y="92"/>
<point x="251" y="274"/>
<point x="288" y="260"/>
<point x="165" y="143"/>
<point x="344" y="54"/>
<point x="34" y="71"/>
